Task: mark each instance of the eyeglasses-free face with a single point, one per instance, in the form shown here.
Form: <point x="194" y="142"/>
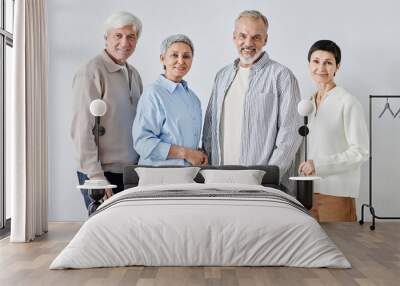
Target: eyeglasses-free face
<point x="177" y="61"/>
<point x="249" y="37"/>
<point x="323" y="67"/>
<point x="121" y="43"/>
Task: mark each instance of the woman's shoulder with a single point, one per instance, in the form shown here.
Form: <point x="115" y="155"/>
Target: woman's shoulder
<point x="194" y="95"/>
<point x="344" y="95"/>
<point x="347" y="100"/>
<point x="151" y="95"/>
<point x="153" y="90"/>
<point x="192" y="92"/>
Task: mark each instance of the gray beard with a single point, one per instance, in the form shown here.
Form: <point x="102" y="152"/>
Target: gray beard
<point x="250" y="60"/>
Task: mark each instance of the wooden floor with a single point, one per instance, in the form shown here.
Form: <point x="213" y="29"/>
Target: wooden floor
<point x="374" y="255"/>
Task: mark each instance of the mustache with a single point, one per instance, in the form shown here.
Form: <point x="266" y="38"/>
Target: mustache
<point x="247" y="48"/>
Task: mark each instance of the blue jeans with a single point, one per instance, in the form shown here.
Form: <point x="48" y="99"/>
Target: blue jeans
<point x="113" y="178"/>
<point x="81" y="178"/>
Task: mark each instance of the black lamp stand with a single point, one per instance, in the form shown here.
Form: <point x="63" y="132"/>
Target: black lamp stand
<point x="96" y="194"/>
<point x="305" y="187"/>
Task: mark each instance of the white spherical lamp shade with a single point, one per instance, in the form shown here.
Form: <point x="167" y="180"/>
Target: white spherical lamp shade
<point x="98" y="107"/>
<point x="305" y="107"/>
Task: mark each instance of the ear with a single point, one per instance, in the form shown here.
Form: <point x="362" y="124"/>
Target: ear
<point x="233" y="35"/>
<point x="162" y="58"/>
<point x="337" y="69"/>
<point x="266" y="39"/>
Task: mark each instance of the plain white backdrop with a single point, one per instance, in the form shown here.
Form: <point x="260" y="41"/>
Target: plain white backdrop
<point x="366" y="30"/>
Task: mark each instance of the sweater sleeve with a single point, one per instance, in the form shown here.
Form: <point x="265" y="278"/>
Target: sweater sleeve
<point x="85" y="89"/>
<point x="355" y="130"/>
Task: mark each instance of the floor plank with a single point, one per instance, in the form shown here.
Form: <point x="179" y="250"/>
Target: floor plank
<point x="374" y="255"/>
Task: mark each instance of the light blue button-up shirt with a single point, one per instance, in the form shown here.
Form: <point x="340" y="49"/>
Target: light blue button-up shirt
<point x="167" y="113"/>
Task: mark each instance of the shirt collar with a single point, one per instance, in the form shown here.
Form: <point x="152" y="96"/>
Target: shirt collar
<point x="110" y="64"/>
<point x="264" y="59"/>
<point x="170" y="85"/>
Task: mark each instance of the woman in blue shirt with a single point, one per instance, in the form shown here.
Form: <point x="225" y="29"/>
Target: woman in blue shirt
<point x="167" y="126"/>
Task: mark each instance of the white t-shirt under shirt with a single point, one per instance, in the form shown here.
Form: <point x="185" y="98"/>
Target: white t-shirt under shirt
<point x="232" y="118"/>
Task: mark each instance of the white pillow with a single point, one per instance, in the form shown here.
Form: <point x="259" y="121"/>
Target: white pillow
<point x="248" y="177"/>
<point x="163" y="176"/>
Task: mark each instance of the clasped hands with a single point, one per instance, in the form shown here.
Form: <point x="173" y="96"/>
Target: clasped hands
<point x="196" y="157"/>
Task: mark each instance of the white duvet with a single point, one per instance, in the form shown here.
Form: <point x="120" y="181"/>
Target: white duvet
<point x="200" y="231"/>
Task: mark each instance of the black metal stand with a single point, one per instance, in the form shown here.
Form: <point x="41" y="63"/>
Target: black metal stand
<point x="96" y="195"/>
<point x="305" y="193"/>
<point x="98" y="131"/>
<point x="369" y="205"/>
<point x="303" y="131"/>
<point x="305" y="187"/>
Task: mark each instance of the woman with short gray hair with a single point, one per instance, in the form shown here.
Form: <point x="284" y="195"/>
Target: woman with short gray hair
<point x="167" y="127"/>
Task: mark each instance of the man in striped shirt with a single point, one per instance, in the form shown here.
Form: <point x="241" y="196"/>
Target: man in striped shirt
<point x="252" y="116"/>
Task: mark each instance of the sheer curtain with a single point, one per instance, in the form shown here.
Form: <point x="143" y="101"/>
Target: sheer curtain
<point x="27" y="122"/>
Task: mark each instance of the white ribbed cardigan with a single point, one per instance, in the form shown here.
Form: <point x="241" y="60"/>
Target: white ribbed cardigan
<point x="338" y="143"/>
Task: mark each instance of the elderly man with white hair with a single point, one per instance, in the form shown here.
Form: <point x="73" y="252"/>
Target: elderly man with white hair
<point x="167" y="127"/>
<point x="252" y="117"/>
<point x="109" y="77"/>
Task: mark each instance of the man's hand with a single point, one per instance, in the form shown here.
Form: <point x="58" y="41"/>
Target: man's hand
<point x="108" y="194"/>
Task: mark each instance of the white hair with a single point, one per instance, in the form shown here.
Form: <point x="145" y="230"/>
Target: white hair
<point x="255" y="15"/>
<point x="178" y="38"/>
<point x="122" y="19"/>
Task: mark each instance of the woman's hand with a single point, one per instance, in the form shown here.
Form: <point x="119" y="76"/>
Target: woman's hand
<point x="307" y="168"/>
<point x="196" y="157"/>
<point x="193" y="156"/>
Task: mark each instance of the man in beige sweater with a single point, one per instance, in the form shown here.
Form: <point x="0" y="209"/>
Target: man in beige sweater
<point x="108" y="76"/>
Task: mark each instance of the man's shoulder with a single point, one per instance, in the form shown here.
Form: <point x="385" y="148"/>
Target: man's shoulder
<point x="91" y="67"/>
<point x="226" y="70"/>
<point x="277" y="67"/>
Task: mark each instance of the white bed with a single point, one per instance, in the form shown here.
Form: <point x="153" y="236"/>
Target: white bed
<point x="223" y="224"/>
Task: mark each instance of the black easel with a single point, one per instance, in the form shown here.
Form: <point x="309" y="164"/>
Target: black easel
<point x="369" y="205"/>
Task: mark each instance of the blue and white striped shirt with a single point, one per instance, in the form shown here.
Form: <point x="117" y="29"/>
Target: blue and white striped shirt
<point x="270" y="118"/>
<point x="167" y="113"/>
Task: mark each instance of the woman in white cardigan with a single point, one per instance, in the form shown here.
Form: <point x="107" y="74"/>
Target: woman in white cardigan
<point x="338" y="139"/>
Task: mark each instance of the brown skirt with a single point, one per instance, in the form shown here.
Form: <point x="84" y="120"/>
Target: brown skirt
<point x="331" y="208"/>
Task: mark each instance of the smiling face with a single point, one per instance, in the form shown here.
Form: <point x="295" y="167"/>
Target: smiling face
<point x="177" y="61"/>
<point x="323" y="67"/>
<point x="121" y="43"/>
<point x="250" y="36"/>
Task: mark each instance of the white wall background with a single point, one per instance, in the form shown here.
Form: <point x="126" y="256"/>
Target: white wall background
<point x="366" y="30"/>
